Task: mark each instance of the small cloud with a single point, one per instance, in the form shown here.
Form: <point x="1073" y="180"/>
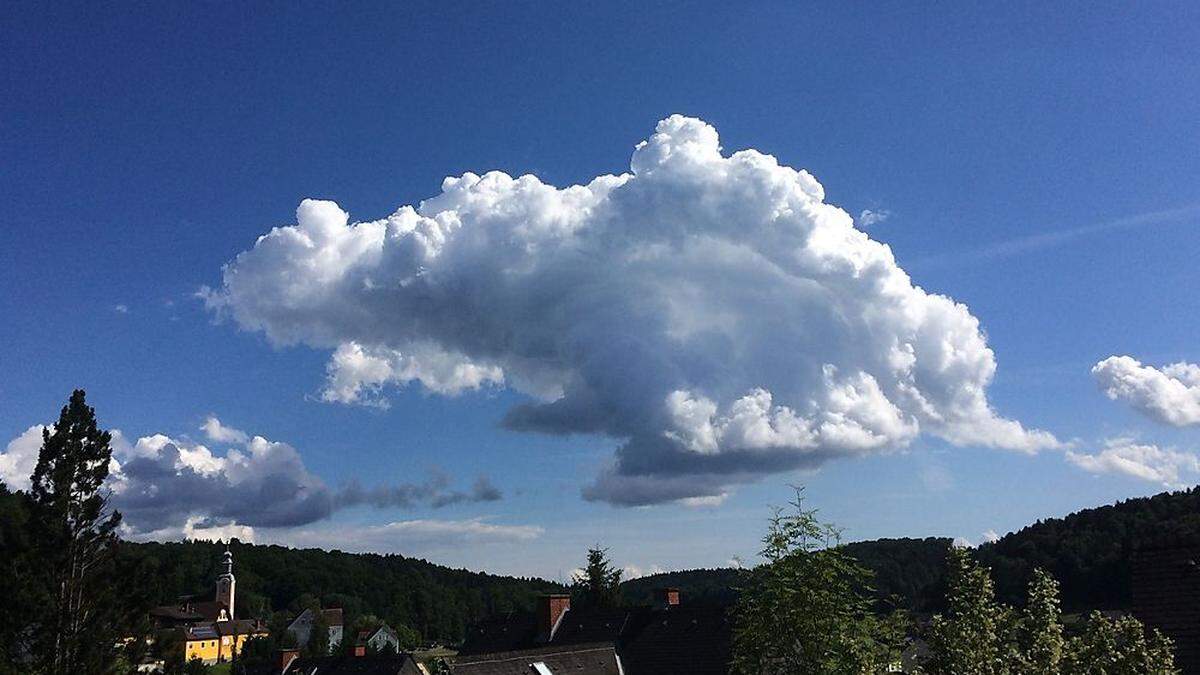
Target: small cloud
<point x="1124" y="456"/>
<point x="962" y="542"/>
<point x="990" y="536"/>
<point x="870" y="217"/>
<point x="219" y="433"/>
<point x="121" y="309"/>
<point x="636" y="572"/>
<point x="1170" y="394"/>
<point x="706" y="501"/>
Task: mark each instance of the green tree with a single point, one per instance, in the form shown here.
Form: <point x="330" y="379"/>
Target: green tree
<point x="19" y="568"/>
<point x="258" y="654"/>
<point x="1041" y="631"/>
<point x="409" y="638"/>
<point x="806" y="609"/>
<point x="980" y="636"/>
<point x="974" y="636"/>
<point x="318" y="637"/>
<point x="75" y="541"/>
<point x="1118" y="647"/>
<point x="599" y="584"/>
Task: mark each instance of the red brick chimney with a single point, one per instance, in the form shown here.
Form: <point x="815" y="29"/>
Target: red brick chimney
<point x="665" y="598"/>
<point x="286" y="656"/>
<point x="550" y="610"/>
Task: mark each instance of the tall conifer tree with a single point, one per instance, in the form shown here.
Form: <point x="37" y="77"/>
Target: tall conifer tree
<point x="76" y="542"/>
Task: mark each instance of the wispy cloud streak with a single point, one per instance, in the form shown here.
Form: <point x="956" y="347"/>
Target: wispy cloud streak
<point x="1043" y="240"/>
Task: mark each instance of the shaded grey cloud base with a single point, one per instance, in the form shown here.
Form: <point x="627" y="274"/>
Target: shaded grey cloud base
<point x="709" y="312"/>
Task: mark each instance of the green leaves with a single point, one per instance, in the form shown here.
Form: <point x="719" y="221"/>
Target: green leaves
<point x="980" y="636"/>
<point x="600" y="583"/>
<point x="75" y="543"/>
<point x="807" y="609"/>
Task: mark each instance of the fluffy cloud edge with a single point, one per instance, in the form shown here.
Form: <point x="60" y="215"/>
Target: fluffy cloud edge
<point x="594" y="299"/>
<point x="1170" y="394"/>
<point x="1143" y="461"/>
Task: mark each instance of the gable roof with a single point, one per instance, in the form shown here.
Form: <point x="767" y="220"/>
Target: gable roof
<point x="503" y="633"/>
<point x="678" y="640"/>
<point x="370" y="664"/>
<point x="581" y="659"/>
<point x="333" y="616"/>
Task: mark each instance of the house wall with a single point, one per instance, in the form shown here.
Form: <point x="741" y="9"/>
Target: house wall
<point x="213" y="650"/>
<point x="382" y="639"/>
<point x="206" y="650"/>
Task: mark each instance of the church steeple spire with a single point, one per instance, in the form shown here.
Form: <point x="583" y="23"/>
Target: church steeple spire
<point x="226" y="584"/>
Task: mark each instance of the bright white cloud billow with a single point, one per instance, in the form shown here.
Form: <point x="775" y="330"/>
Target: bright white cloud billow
<point x="1123" y="456"/>
<point x="20" y="458"/>
<point x="1169" y="394"/>
<point x="357" y="373"/>
<point x="711" y="311"/>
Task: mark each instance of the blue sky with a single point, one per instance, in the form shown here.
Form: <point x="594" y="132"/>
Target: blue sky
<point x="1038" y="164"/>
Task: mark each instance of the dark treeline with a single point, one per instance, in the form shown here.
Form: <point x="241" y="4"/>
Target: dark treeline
<point x="1088" y="552"/>
<point x="437" y="602"/>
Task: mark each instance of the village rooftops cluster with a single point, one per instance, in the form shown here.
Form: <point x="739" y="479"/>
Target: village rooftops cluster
<point x="666" y="638"/>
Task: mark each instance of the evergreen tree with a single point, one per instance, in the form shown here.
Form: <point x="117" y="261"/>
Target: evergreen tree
<point x="599" y="585"/>
<point x="18" y="565"/>
<point x="807" y="609"/>
<point x="75" y="540"/>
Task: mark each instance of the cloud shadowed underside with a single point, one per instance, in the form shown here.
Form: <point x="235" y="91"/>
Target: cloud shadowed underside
<point x="167" y="487"/>
<point x="710" y="312"/>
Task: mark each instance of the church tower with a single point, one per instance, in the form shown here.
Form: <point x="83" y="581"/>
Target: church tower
<point x="226" y="583"/>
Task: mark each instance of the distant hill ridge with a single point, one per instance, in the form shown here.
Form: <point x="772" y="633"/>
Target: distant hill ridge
<point x="1088" y="552"/>
<point x="437" y="601"/>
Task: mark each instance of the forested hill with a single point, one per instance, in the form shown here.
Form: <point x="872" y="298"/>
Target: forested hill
<point x="1088" y="552"/>
<point x="908" y="573"/>
<point x="437" y="601"/>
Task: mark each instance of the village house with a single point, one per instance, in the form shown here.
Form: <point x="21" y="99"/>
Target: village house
<point x="666" y="638"/>
<point x="208" y="630"/>
<point x="301" y="627"/>
<point x="382" y="639"/>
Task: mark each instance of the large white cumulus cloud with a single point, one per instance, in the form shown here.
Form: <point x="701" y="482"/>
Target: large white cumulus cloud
<point x="712" y="312"/>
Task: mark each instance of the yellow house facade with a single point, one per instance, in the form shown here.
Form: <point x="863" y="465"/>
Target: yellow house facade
<point x="219" y="641"/>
